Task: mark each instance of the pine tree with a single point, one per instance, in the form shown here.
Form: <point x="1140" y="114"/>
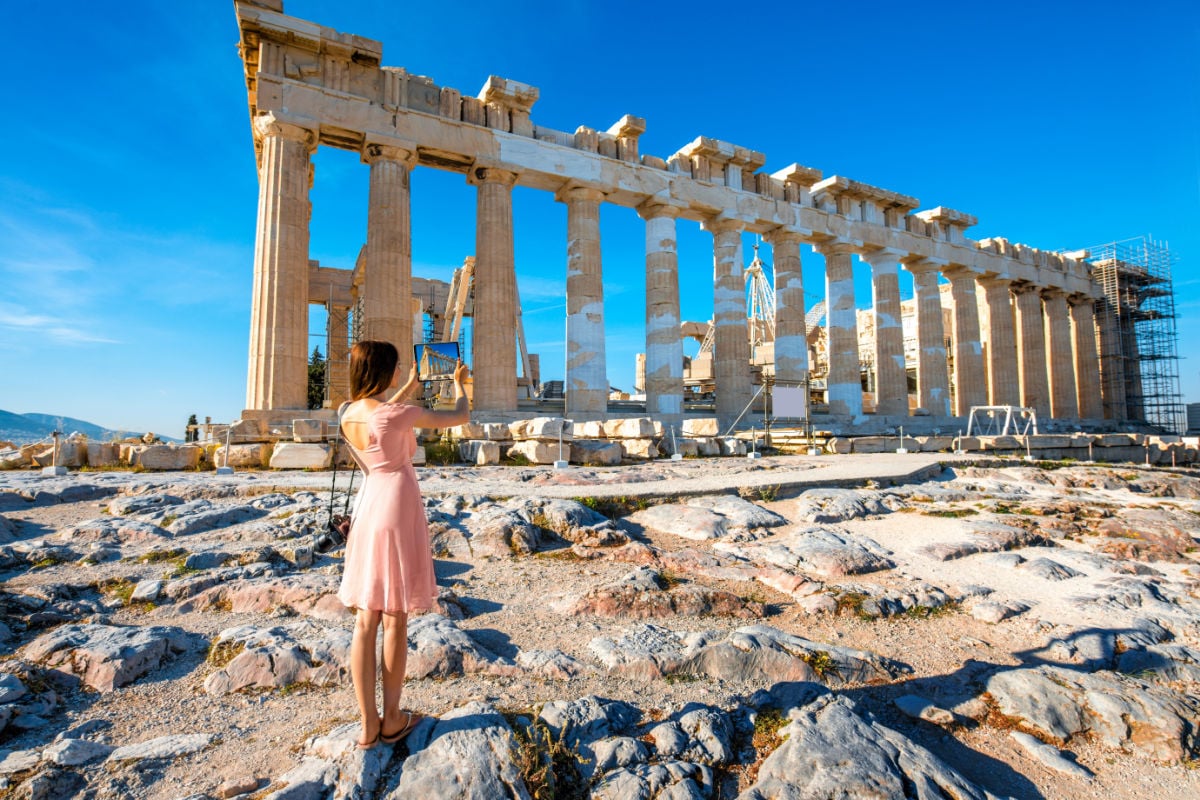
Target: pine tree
<point x="190" y="433"/>
<point x="316" y="379"/>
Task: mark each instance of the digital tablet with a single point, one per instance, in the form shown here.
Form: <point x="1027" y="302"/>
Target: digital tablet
<point x="435" y="360"/>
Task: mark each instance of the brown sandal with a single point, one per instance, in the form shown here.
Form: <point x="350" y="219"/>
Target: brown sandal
<point x="414" y="719"/>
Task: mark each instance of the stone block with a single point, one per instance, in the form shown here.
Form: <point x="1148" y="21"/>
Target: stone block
<point x="1001" y="443"/>
<point x="541" y="429"/>
<point x="1113" y="440"/>
<point x="14" y="459"/>
<point x="294" y="455"/>
<point x="731" y="446"/>
<point x="164" y="456"/>
<point x="935" y="444"/>
<point x="479" y="452"/>
<point x="706" y="426"/>
<point x="838" y="445"/>
<point x="248" y="430"/>
<point x="308" y="430"/>
<point x="969" y="443"/>
<point x="707" y="446"/>
<point x="418" y="458"/>
<point x="497" y="432"/>
<point x="596" y="452"/>
<point x="685" y="447"/>
<point x="255" y="455"/>
<point x="632" y="428"/>
<point x="588" y="430"/>
<point x="470" y="430"/>
<point x="638" y="449"/>
<point x="874" y="444"/>
<point x="1049" y="440"/>
<point x="71" y="453"/>
<point x="537" y="452"/>
<point x="103" y="454"/>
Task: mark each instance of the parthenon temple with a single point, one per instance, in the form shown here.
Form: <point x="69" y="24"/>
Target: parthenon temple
<point x="1021" y="329"/>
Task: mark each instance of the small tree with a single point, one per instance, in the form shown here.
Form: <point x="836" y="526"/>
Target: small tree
<point x="191" y="433"/>
<point x="316" y="379"/>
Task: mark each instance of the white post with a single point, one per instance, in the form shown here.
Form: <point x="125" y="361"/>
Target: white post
<point x="228" y="470"/>
<point x="753" y="454"/>
<point x="562" y="463"/>
<point x="675" y="454"/>
<point x="901" y="448"/>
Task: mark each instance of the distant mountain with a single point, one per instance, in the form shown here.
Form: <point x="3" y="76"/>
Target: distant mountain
<point x="26" y="428"/>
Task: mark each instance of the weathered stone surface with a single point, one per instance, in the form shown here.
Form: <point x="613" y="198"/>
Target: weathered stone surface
<point x="1150" y="534"/>
<point x="165" y="456"/>
<point x="163" y="747"/>
<point x="822" y="551"/>
<point x="501" y="533"/>
<point x="103" y="454"/>
<point x="644" y="593"/>
<point x="632" y="428"/>
<point x="707" y="446"/>
<point x="254" y="455"/>
<point x="143" y="504"/>
<point x="838" y="505"/>
<point x="593" y="429"/>
<point x="920" y="708"/>
<point x="696" y="427"/>
<point x="538" y="452"/>
<point x="732" y="447"/>
<point x="708" y="517"/>
<point x="310" y="594"/>
<point x="479" y="452"/>
<point x="595" y="452"/>
<point x="677" y="780"/>
<point x="756" y="653"/>
<point x="292" y="455"/>
<point x="1119" y="711"/>
<point x="73" y="752"/>
<point x="467" y="755"/>
<point x="1050" y="756"/>
<point x="985" y="537"/>
<point x="105" y="657"/>
<point x="1049" y="570"/>
<point x="274" y="658"/>
<point x="993" y="611"/>
<point x="113" y="531"/>
<point x="201" y="515"/>
<point x="638" y="449"/>
<point x="829" y="751"/>
<point x="699" y="736"/>
<point x="467" y="431"/>
<point x="439" y="648"/>
<point x="308" y="430"/>
<point x="541" y="429"/>
<point x="552" y="664"/>
<point x="570" y="520"/>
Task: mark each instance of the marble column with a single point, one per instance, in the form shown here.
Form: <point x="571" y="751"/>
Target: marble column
<point x="731" y="343"/>
<point x="494" y="336"/>
<point x="1004" y="387"/>
<point x="933" y="376"/>
<point x="586" y="383"/>
<point x="278" y="366"/>
<point x="337" y="349"/>
<point x="1061" y="367"/>
<point x="1085" y="357"/>
<point x="791" y="335"/>
<point x="970" y="385"/>
<point x="387" y="271"/>
<point x="664" y="346"/>
<point x="843" y="383"/>
<point x="1031" y="350"/>
<point x="891" y="379"/>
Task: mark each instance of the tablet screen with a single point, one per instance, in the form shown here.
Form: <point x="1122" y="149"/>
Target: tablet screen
<point x="435" y="360"/>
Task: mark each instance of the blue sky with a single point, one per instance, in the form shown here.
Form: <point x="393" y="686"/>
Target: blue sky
<point x="128" y="194"/>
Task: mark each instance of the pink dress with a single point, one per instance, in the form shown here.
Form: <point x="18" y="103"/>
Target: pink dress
<point x="389" y="564"/>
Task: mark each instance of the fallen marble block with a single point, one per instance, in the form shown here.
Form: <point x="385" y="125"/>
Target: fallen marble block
<point x="105" y="657"/>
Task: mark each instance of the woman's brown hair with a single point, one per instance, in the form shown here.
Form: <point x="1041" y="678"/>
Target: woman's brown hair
<point x="372" y="365"/>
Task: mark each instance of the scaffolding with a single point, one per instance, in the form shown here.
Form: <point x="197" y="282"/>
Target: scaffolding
<point x="1139" y="368"/>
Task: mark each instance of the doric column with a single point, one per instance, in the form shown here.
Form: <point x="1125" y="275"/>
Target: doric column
<point x="1031" y="350"/>
<point x="843" y="384"/>
<point x="1112" y="363"/>
<point x="278" y="367"/>
<point x="1003" y="384"/>
<point x="664" y="346"/>
<point x="1063" y="401"/>
<point x="791" y="336"/>
<point x="1084" y="356"/>
<point x="387" y="271"/>
<point x="891" y="379"/>
<point x="337" y="360"/>
<point x="586" y="383"/>
<point x="970" y="386"/>
<point x="731" y="343"/>
<point x="494" y="335"/>
<point x="933" y="377"/>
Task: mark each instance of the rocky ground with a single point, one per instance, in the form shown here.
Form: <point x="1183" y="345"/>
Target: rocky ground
<point x="793" y="627"/>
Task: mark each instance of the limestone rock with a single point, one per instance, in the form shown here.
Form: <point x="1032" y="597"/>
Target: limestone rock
<point x="105" y="657"/>
<point x="985" y="537"/>
<point x="829" y="751"/>
<point x="677" y="780"/>
<point x="1049" y="570"/>
<point x="73" y="752"/>
<point x="570" y="520"/>
<point x="756" y="653"/>
<point x="993" y="611"/>
<point x="275" y="658"/>
<point x="165" y="747"/>
<point x="588" y="430"/>
<point x="308" y="430"/>
<point x="551" y="664"/>
<point x="822" y="551"/>
<point x="113" y="531"/>
<point x="699" y="736"/>
<point x="596" y="452"/>
<point x="1150" y="534"/>
<point x="1119" y="711"/>
<point x="706" y="427"/>
<point x="242" y="456"/>
<point x="311" y="594"/>
<point x="165" y="456"/>
<point x="731" y="446"/>
<point x="479" y="452"/>
<point x="633" y="428"/>
<point x="103" y="454"/>
<point x="838" y="505"/>
<point x="439" y="648"/>
<point x="919" y="708"/>
<point x="685" y="521"/>
<point x="502" y="533"/>
<point x="643" y="593"/>
<point x="638" y="449"/>
<point x="291" y="455"/>
<point x="541" y="429"/>
<point x="468" y="754"/>
<point x="539" y="452"/>
<point x="143" y="504"/>
<point x="1050" y="756"/>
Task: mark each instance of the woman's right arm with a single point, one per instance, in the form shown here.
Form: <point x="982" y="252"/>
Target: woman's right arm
<point x="448" y="419"/>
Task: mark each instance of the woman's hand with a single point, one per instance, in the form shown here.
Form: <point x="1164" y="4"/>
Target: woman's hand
<point x="460" y="372"/>
<point x="412" y="373"/>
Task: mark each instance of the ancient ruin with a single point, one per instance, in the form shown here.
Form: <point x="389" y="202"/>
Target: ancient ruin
<point x="1022" y="325"/>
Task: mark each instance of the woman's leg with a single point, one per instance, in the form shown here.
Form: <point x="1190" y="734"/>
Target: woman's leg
<point x="362" y="670"/>
<point x="395" y="656"/>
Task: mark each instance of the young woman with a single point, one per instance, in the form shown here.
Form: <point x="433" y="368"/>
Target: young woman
<point x="388" y="570"/>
